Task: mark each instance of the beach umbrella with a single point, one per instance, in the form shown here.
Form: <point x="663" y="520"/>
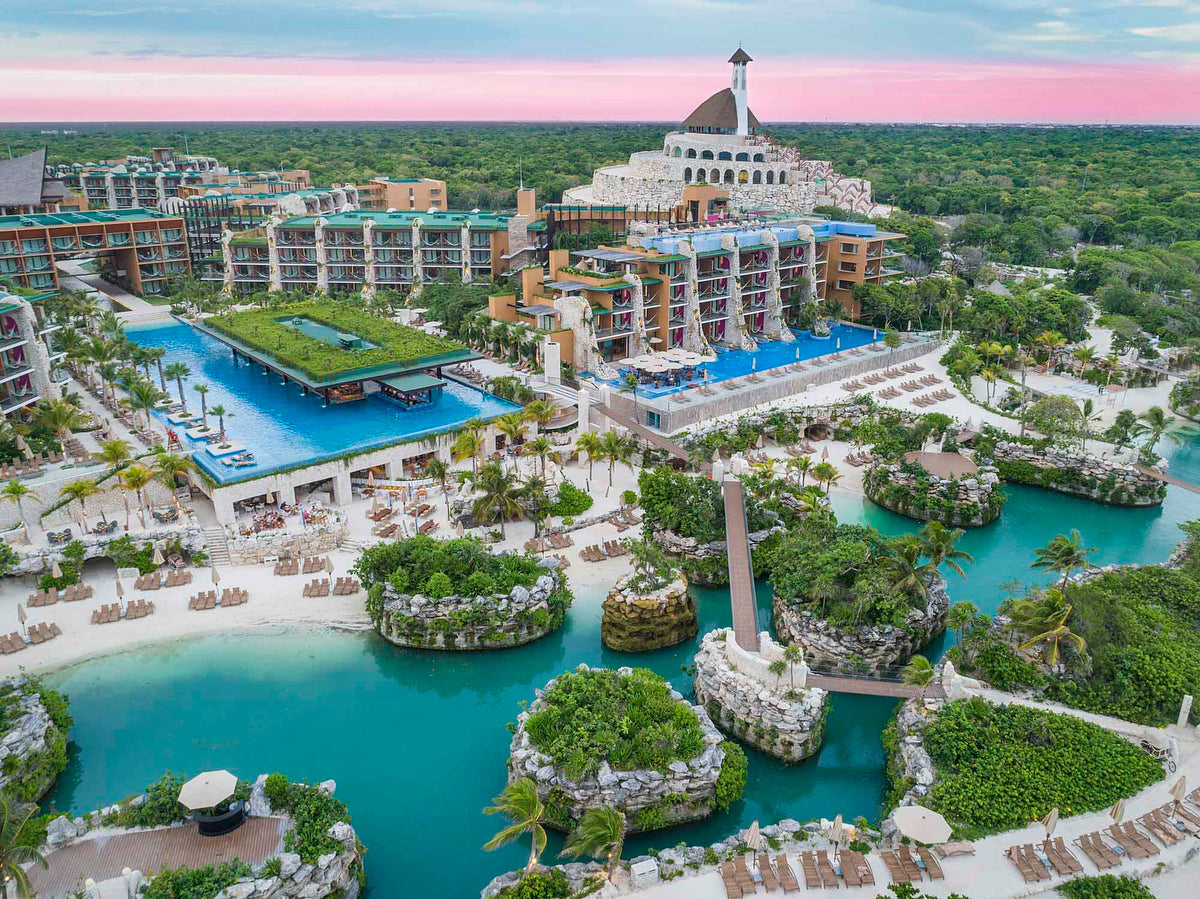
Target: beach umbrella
<point x="835" y="832"/>
<point x="21" y="613"/>
<point x="874" y="334"/>
<point x="55" y="571"/>
<point x="1050" y="822"/>
<point x="158" y="556"/>
<point x="921" y="824"/>
<point x="120" y="589"/>
<point x="1178" y="789"/>
<point x="328" y="565"/>
<point x="270" y="497"/>
<point x="371" y="478"/>
<point x="825" y="454"/>
<point x="716" y="455"/>
<point x="207" y="790"/>
<point x="216" y="576"/>
<point x="758" y="444"/>
<point x="1117" y="812"/>
<point x="797" y="354"/>
<point x="753" y="837"/>
<point x="839" y="344"/>
<point x="753" y="363"/>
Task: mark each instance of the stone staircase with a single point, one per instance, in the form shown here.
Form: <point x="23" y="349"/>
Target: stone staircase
<point x="218" y="549"/>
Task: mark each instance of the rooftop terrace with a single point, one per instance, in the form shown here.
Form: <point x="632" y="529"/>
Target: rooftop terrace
<point x="479" y="221"/>
<point x="99" y="217"/>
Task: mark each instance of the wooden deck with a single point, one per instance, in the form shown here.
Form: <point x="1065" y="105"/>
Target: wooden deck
<point x="1166" y="478"/>
<point x="741" y="571"/>
<point x="152" y="850"/>
<point x="655" y="440"/>
<point x="867" y="687"/>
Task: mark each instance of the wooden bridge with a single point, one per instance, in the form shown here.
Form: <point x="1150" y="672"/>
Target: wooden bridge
<point x="1166" y="478"/>
<point x="741" y="571"/>
<point x="656" y="440"/>
<point x="867" y="685"/>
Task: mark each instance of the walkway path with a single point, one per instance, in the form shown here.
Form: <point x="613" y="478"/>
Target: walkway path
<point x="151" y="850"/>
<point x="72" y="270"/>
<point x="865" y="686"/>
<point x="741" y="571"/>
<point x="1167" y="478"/>
<point x="656" y="440"/>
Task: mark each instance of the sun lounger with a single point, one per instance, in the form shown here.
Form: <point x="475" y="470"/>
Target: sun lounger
<point x="744" y="878"/>
<point x="849" y="871"/>
<point x="932" y="868"/>
<point x="1035" y="862"/>
<point x="828" y="875"/>
<point x="767" y="873"/>
<point x="895" y="870"/>
<point x="910" y="864"/>
<point x="861" y="866"/>
<point x="1165" y="831"/>
<point x="729" y="879"/>
<point x="1062" y="857"/>
<point x="1182" y="815"/>
<point x="1097" y="851"/>
<point x="1135" y="836"/>
<point x="787" y="877"/>
<point x="1017" y="857"/>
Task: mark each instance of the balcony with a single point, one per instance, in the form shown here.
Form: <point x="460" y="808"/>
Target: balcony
<point x="118" y="240"/>
<point x="614" y="333"/>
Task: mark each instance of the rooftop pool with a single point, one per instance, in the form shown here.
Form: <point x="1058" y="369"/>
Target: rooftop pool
<point x="771" y="354"/>
<point x="284" y="428"/>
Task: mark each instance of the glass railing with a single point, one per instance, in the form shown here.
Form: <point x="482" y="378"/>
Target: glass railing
<point x="64" y="243"/>
<point x="34" y="246"/>
<point x="118" y="240"/>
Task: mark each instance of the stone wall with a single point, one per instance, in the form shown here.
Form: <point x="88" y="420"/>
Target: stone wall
<point x="692" y="554"/>
<point x="687" y="792"/>
<point x="1078" y="475"/>
<point x="635" y="621"/>
<point x="774" y="717"/>
<point x="909" y="767"/>
<point x="46" y="494"/>
<point x="30" y="736"/>
<point x="908" y="490"/>
<point x="869" y="646"/>
<point x="466" y="623"/>
<point x="255" y="548"/>
<point x="38" y="560"/>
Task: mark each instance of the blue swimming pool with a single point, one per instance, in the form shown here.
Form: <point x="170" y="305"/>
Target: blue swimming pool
<point x="772" y="354"/>
<point x="282" y="427"/>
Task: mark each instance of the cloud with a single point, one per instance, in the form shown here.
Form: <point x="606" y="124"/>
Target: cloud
<point x="126" y="11"/>
<point x="1188" y="32"/>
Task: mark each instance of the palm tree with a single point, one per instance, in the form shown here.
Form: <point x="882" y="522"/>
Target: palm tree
<point x="589" y="442"/>
<point x="1051" y="342"/>
<point x="136" y="478"/>
<point x="1152" y="425"/>
<point x="222" y="413"/>
<point x="542" y="412"/>
<point x="439" y="471"/>
<point x="179" y="372"/>
<point x="1038" y="611"/>
<point x="468" y="444"/>
<point x="501" y="496"/>
<point x="537" y="501"/>
<point x="793" y="655"/>
<point x="115" y="452"/>
<point x="524" y="809"/>
<point x="960" y="616"/>
<point x="143" y="397"/>
<point x="540" y="447"/>
<point x="202" y="389"/>
<point x="937" y="543"/>
<point x="1065" y="554"/>
<point x="810" y="499"/>
<point x="600" y="834"/>
<point x="910" y="571"/>
<point x="169" y="467"/>
<point x="1054" y="637"/>
<point x="826" y="474"/>
<point x="512" y="426"/>
<point x="629" y="384"/>
<point x="918" y="673"/>
<point x="616" y="448"/>
<point x="16" y="492"/>
<point x="15" y="856"/>
<point x="156" y="354"/>
<point x="1088" y="416"/>
<point x="1085" y="356"/>
<point x="60" y="417"/>
<point x="991" y="375"/>
<point x="81" y="490"/>
<point x="800" y="465"/>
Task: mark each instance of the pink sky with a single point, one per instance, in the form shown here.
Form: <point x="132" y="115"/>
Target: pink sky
<point x="115" y="88"/>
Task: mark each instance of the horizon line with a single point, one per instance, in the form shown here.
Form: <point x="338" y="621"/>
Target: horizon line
<point x="926" y="123"/>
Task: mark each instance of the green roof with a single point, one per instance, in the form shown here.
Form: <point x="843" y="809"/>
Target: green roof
<point x="480" y="221"/>
<point x="97" y="217"/>
<point x="673" y="258"/>
<point x="413" y="381"/>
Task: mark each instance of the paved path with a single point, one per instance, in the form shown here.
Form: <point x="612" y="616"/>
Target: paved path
<point x="151" y="850"/>
<point x="72" y="270"/>
<point x="741" y="571"/>
<point x="656" y="440"/>
<point x="865" y="686"/>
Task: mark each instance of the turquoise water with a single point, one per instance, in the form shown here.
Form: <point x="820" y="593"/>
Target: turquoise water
<point x="772" y="354"/>
<point x="329" y="335"/>
<point x="417" y="741"/>
<point x="281" y="426"/>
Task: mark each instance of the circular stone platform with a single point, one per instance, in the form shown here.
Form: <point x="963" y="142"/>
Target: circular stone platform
<point x="944" y="465"/>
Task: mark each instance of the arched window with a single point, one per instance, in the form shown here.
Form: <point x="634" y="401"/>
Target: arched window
<point x="706" y="154"/>
<point x="770" y="177"/>
<point x="743" y="157"/>
<point x="691" y="153"/>
<point x="701" y="176"/>
<point x="725" y="154"/>
<point x="783" y="177"/>
<point x="687" y="175"/>
<point x="757" y="178"/>
<point x="715" y="177"/>
<point x="678" y="151"/>
<point x="743" y="177"/>
<point x="758" y="157"/>
<point x="729" y="176"/>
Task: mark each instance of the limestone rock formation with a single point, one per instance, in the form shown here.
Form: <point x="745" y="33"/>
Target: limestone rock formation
<point x="636" y="621"/>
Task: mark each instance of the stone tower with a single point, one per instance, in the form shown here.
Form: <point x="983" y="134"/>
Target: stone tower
<point x="738" y="86"/>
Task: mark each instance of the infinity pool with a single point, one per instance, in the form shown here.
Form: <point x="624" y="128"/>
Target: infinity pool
<point x="772" y="354"/>
<point x="281" y="426"/>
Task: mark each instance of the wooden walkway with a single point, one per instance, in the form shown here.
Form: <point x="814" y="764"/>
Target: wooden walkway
<point x="741" y="571"/>
<point x="152" y="850"/>
<point x="863" y="686"/>
<point x="1166" y="478"/>
<point x="655" y="440"/>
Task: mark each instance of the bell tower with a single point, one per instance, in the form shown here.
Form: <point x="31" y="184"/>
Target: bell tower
<point x="738" y="86"/>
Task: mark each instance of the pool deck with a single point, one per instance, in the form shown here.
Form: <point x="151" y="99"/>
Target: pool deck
<point x="103" y="857"/>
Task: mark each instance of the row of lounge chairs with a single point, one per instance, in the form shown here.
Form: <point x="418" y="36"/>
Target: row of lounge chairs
<point x="852" y="386"/>
<point x="803" y="449"/>
<point x="287" y="567"/>
<point x="153" y="580"/>
<point x="563" y="562"/>
<point x="38" y="633"/>
<point x="318" y="587"/>
<point x="889" y="393"/>
<point x="234" y="596"/>
<point x="930" y="399"/>
<point x="314" y="564"/>
<point x="905" y="868"/>
<point x="859" y="459"/>
<point x="73" y="593"/>
<point x="346" y="586"/>
<point x="109" y="613"/>
<point x="611" y="550"/>
<point x="818" y="870"/>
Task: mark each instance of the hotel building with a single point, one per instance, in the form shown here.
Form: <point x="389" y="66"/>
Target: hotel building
<point x="404" y="195"/>
<point x="26" y="355"/>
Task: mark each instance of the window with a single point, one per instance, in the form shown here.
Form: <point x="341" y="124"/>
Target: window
<point x="758" y="157"/>
<point x="743" y="157"/>
<point x="850" y="248"/>
<point x="844" y="284"/>
<point x="725" y="154"/>
<point x="743" y="177"/>
<point x="757" y="178"/>
<point x="706" y="154"/>
<point x="653" y="420"/>
<point x="678" y="151"/>
<point x="783" y="177"/>
<point x="770" y="177"/>
<point x="691" y="153"/>
<point x="687" y="176"/>
<point x="729" y="176"/>
<point x="715" y="177"/>
<point x="701" y="176"/>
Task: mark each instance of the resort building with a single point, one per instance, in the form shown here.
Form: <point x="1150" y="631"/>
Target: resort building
<point x="361" y="251"/>
<point x="26" y="356"/>
<point x="147" y="247"/>
<point x="404" y="195"/>
<point x="720" y="144"/>
<point x="25" y="187"/>
<point x="292" y="201"/>
<point x="693" y="289"/>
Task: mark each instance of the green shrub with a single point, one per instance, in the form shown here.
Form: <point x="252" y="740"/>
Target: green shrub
<point x="731" y="782"/>
<point x="409" y="564"/>
<point x="480" y="584"/>
<point x="275" y="789"/>
<point x="629" y="497"/>
<point x="195" y="883"/>
<point x="1000" y="767"/>
<point x="691" y="506"/>
<point x="272" y="866"/>
<point x="438" y="586"/>
<point x="571" y="500"/>
<point x="1105" y="886"/>
<point x="549" y="884"/>
<point x="631" y="722"/>
<point x="313" y="812"/>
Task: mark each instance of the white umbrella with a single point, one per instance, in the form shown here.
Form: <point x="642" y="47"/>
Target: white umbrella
<point x="329" y="565"/>
<point x="158" y="556"/>
<point x="371" y="478"/>
<point x="835" y="832"/>
<point x="753" y="837"/>
<point x="216" y="576"/>
<point x="207" y="790"/>
<point x="270" y="497"/>
<point x="55" y="571"/>
<point x="1179" y="790"/>
<point x="21" y="613"/>
<point x="758" y="444"/>
<point x="1050" y="822"/>
<point x="921" y="824"/>
<point x="120" y="589"/>
<point x="1117" y="812"/>
<point x="753" y="363"/>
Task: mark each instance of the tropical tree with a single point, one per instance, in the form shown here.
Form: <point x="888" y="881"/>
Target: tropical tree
<point x="991" y="375"/>
<point x="1085" y="356"/>
<point x="137" y="478"/>
<point x="179" y="372"/>
<point x="918" y="673"/>
<point x="540" y="447"/>
<point x="16" y="492"/>
<point x="1152" y="426"/>
<point x="600" y="834"/>
<point x="60" y="417"/>
<point x="1120" y="432"/>
<point x="80" y="491"/>
<point x="512" y="426"/>
<point x="938" y="545"/>
<point x="1063" y="554"/>
<point x="542" y="412"/>
<point x="826" y="474"/>
<point x="793" y="655"/>
<point x="960" y="617"/>
<point x="202" y="389"/>
<point x="629" y="384"/>
<point x="536" y="498"/>
<point x="156" y="354"/>
<point x="468" y="445"/>
<point x="501" y="500"/>
<point x="222" y="413"/>
<point x="519" y="802"/>
<point x="1051" y="342"/>
<point x="143" y="397"/>
<point x="616" y="448"/>
<point x="589" y="442"/>
<point x="800" y="466"/>
<point x="892" y="341"/>
<point x="1055" y="637"/>
<point x="169" y="467"/>
<point x="15" y="852"/>
<point x="909" y="567"/>
<point x="1088" y="416"/>
<point x="115" y="452"/>
<point x="436" y="469"/>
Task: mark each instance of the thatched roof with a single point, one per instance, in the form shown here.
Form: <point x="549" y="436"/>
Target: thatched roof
<point x="719" y="111"/>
